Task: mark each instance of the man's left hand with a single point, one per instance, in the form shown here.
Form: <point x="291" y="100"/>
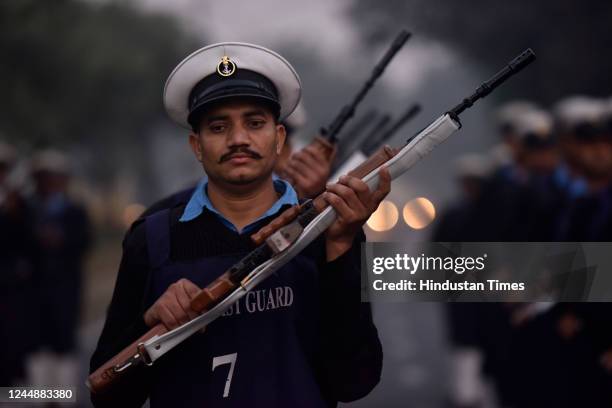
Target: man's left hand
<point x="308" y="170"/>
<point x="354" y="203"/>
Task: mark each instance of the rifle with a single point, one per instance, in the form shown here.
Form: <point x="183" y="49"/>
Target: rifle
<point x="355" y="134"/>
<point x="378" y="136"/>
<point x="355" y="142"/>
<point x="285" y="237"/>
<point x="372" y="144"/>
<point x="328" y="135"/>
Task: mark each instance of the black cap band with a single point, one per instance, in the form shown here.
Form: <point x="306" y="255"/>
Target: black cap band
<point x="537" y="141"/>
<point x="243" y="83"/>
<point x="587" y="131"/>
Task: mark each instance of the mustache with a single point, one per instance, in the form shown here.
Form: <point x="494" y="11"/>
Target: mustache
<point x="239" y="150"/>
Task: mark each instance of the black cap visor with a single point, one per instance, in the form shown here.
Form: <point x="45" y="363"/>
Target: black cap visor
<point x="215" y="89"/>
<point x="533" y="141"/>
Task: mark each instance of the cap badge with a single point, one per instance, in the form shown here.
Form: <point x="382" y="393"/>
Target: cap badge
<point x="226" y="67"/>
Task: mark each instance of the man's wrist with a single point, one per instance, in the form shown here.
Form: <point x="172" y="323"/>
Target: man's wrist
<point x="335" y="248"/>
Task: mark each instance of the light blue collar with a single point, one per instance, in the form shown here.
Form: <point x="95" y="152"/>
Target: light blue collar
<point x="199" y="200"/>
<point x="576" y="187"/>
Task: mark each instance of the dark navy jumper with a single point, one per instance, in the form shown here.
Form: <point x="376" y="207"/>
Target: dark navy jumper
<point x="302" y="338"/>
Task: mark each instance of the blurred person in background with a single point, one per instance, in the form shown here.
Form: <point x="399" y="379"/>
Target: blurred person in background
<point x="584" y="330"/>
<point x="587" y="152"/>
<point x="461" y="222"/>
<point x="457" y="223"/>
<point x="533" y="196"/>
<point x="504" y="153"/>
<point x="293" y="125"/>
<point x="493" y="219"/>
<point x="307" y="169"/>
<point x="605" y="336"/>
<point x="16" y="274"/>
<point x="525" y="212"/>
<point x="517" y="203"/>
<point x="61" y="232"/>
<point x="552" y="342"/>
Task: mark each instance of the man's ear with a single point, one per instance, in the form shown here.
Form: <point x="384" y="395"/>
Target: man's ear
<point x="281" y="134"/>
<point x="196" y="146"/>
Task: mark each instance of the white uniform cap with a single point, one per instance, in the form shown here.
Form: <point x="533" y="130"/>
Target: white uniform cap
<point x="577" y="110"/>
<point x="537" y="123"/>
<point x="508" y="113"/>
<point x="473" y="165"/>
<point x="230" y="69"/>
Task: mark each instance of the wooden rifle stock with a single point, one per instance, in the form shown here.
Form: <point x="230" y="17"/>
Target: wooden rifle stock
<point x="130" y="357"/>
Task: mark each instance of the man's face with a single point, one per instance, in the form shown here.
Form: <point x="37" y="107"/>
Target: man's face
<point x="238" y="142"/>
<point x="595" y="158"/>
<point x="49" y="182"/>
<point x="592" y="158"/>
<point x="541" y="161"/>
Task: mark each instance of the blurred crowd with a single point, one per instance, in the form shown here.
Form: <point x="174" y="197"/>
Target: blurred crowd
<point x="550" y="180"/>
<point x="44" y="236"/>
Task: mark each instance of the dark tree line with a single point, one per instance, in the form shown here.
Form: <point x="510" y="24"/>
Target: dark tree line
<point x="74" y="70"/>
<point x="573" y="39"/>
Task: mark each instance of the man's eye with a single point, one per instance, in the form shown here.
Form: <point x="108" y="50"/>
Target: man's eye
<point x="217" y="128"/>
<point x="256" y="124"/>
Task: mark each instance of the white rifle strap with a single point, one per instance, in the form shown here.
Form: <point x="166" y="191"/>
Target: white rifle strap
<point x="419" y="147"/>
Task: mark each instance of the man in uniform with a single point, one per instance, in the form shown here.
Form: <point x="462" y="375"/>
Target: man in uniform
<point x="61" y="235"/>
<point x="302" y="337"/>
<point x="587" y="151"/>
<point x="16" y="277"/>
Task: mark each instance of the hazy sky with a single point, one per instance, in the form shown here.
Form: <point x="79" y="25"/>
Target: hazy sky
<point x="321" y="26"/>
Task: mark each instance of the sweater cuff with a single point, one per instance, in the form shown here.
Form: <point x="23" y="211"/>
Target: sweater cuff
<point x="344" y="272"/>
<point x="340" y="283"/>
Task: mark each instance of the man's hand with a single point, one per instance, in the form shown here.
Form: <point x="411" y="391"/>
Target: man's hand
<point x="173" y="308"/>
<point x="354" y="203"/>
<point x="308" y="170"/>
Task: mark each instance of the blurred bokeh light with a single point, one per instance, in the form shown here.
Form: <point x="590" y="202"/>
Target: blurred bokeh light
<point x="384" y="218"/>
<point x="419" y="213"/>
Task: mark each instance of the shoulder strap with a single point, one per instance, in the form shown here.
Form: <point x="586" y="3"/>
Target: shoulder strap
<point x="158" y="237"/>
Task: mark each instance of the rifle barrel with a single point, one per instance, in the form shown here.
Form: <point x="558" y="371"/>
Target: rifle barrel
<point x="349" y="110"/>
<point x="357" y="144"/>
<point x="371" y="145"/>
<point x="515" y="66"/>
<point x="355" y="131"/>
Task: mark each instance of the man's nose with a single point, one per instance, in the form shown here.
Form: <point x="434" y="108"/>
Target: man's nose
<point x="238" y="136"/>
